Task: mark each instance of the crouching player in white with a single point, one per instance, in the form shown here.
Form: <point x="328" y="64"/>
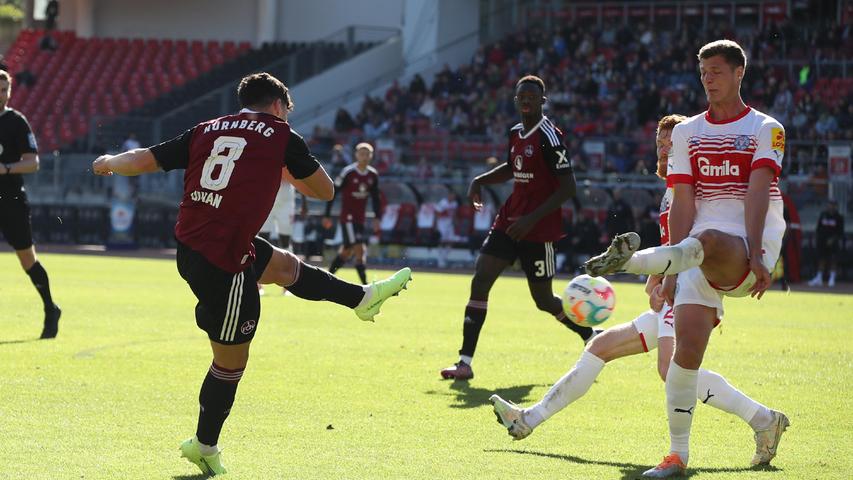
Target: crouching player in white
<point x="652" y="329"/>
<point x="726" y="230"/>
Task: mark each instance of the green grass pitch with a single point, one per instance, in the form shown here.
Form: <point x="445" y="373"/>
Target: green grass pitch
<point x="326" y="396"/>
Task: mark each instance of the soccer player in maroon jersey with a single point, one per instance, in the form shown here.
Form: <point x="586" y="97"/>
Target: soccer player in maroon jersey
<point x="355" y="183"/>
<point x="233" y="171"/>
<point x="528" y="223"/>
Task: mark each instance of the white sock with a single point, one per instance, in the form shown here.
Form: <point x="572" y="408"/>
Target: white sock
<point x="718" y="393"/>
<point x="667" y="260"/>
<point x="680" y="405"/>
<point x="466" y="359"/>
<point x="206" y="450"/>
<point x="368" y="294"/>
<point x="571" y="387"/>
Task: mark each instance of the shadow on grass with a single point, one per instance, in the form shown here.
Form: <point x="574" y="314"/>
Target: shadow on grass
<point x="631" y="471"/>
<point x="467" y="396"/>
<point x="197" y="476"/>
<point x="25" y="340"/>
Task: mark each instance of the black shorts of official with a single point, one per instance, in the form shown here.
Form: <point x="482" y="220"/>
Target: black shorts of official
<point x="353" y="233"/>
<point x="537" y="258"/>
<point x="826" y="250"/>
<point x="15" y="220"/>
<point x="229" y="307"/>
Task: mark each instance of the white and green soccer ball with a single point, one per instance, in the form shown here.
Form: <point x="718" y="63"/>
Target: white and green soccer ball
<point x="589" y="301"/>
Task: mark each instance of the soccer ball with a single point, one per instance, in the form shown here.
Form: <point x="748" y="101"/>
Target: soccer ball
<point x="588" y="301"/>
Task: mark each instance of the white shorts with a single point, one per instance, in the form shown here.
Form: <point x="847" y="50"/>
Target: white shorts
<point x="281" y="215"/>
<point x="445" y="229"/>
<point x="652" y="325"/>
<point x="694" y="289"/>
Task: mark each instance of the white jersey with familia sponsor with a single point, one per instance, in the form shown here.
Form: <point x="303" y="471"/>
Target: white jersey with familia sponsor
<point x="717" y="159"/>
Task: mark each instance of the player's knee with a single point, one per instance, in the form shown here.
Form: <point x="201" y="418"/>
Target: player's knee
<point x="710" y="239"/>
<point x="600" y="347"/>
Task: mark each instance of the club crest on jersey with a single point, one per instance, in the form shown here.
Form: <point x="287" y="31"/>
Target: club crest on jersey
<point x="247" y="327"/>
<point x="693" y="141"/>
<point x="519" y="161"/>
<point x="725" y="169"/>
<point x="741" y="142"/>
<point x="528" y="151"/>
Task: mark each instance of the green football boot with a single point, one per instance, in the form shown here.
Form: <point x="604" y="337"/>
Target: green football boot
<point x="209" y="465"/>
<point x="381" y="291"/>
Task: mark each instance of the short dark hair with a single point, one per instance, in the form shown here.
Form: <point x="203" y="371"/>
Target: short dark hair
<point x="262" y="89"/>
<point x="531" y="79"/>
<point x="728" y="49"/>
<point x="4" y="75"/>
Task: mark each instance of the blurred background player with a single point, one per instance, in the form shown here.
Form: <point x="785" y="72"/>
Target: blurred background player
<point x="356" y="182"/>
<point x="280" y="220"/>
<point x="445" y="211"/>
<point x="528" y="223"/>
<point x="233" y="173"/>
<point x="652" y="329"/>
<point x="19" y="155"/>
<point x="726" y="227"/>
<point x="829" y="238"/>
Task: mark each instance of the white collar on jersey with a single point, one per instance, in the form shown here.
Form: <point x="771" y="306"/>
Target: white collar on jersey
<point x="247" y="110"/>
<point x="535" y="127"/>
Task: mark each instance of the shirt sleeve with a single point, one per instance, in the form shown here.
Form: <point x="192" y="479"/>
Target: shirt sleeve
<point x="26" y="139"/>
<point x="175" y="153"/>
<point x="298" y="159"/>
<point x="555" y="153"/>
<point x="771" y="147"/>
<point x="678" y="167"/>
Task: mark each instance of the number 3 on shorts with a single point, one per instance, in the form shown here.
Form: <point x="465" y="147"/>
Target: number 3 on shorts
<point x="233" y="148"/>
<point x="540" y="268"/>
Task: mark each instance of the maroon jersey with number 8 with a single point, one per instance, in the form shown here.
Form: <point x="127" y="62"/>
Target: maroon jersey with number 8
<point x="233" y="172"/>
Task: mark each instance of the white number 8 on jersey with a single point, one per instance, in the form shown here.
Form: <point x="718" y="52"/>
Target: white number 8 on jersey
<point x="234" y="146"/>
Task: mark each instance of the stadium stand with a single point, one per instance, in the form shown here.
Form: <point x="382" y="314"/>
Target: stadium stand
<point x="84" y="77"/>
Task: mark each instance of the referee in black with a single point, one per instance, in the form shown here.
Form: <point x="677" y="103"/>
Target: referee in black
<point x="19" y="155"/>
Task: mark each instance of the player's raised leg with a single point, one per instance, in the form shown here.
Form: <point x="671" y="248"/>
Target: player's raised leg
<point x="619" y="341"/>
<point x="488" y="269"/>
<point x="722" y="257"/>
<point x="312" y="283"/>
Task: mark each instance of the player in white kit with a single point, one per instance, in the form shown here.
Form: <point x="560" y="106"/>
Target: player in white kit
<point x="653" y="328"/>
<point x="281" y="215"/>
<point x="726" y="230"/>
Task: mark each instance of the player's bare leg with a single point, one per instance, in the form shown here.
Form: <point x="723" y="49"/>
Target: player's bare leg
<point x="488" y="269"/>
<point x="543" y="294"/>
<point x="359" y="253"/>
<point x="38" y="276"/>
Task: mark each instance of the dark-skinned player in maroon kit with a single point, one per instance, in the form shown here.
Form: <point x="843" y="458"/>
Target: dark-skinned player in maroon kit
<point x="529" y="222"/>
